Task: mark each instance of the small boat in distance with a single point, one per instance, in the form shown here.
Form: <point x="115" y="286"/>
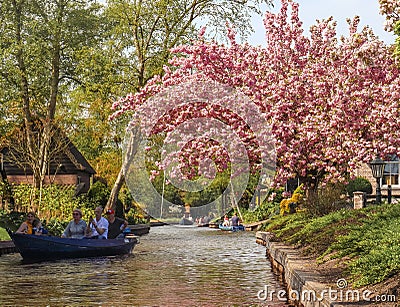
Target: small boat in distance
<point x="203" y="221"/>
<point x="231" y="228"/>
<point x="213" y="225"/>
<point x="185" y="221"/>
<point x="139" y="229"/>
<point x="36" y="248"/>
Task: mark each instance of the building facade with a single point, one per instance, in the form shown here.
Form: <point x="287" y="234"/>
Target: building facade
<point x="68" y="168"/>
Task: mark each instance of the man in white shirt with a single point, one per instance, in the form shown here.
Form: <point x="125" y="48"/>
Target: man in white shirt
<point x="97" y="227"/>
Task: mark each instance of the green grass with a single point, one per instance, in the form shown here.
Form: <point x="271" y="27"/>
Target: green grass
<point x="367" y="240"/>
<point x="4" y="235"/>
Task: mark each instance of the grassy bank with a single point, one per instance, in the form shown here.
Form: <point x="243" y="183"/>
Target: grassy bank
<point x="4" y="235"/>
<point x="366" y="242"/>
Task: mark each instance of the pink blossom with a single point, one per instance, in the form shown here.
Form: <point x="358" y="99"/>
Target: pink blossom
<point x="331" y="103"/>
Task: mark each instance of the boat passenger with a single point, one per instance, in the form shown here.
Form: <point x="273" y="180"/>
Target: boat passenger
<point x="116" y="225"/>
<point x="98" y="226"/>
<point x="226" y="221"/>
<point x="30" y="224"/>
<point x="75" y="228"/>
<point x="235" y="220"/>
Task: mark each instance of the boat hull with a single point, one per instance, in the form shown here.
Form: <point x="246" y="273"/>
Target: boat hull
<point x="231" y="228"/>
<point x="185" y="221"/>
<point x="41" y="248"/>
<point x="139" y="229"/>
<point x="203" y="225"/>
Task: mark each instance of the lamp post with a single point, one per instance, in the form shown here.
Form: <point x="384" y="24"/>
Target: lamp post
<point x="377" y="166"/>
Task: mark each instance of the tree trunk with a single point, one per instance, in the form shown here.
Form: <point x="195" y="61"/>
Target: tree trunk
<point x="131" y="150"/>
<point x="119" y="182"/>
<point x="55" y="65"/>
<point x="311" y="184"/>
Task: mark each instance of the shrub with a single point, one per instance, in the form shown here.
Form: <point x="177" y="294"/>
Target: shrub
<point x="359" y="184"/>
<point x="52" y="202"/>
<point x="135" y="215"/>
<point x="268" y="208"/>
<point x="4" y="235"/>
<point x="289" y="205"/>
<point x="327" y="198"/>
<point x="97" y="195"/>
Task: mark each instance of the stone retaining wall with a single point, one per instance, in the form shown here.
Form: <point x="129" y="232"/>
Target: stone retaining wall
<point x="301" y="280"/>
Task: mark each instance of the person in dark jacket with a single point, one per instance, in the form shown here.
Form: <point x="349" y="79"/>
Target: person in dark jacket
<point x="116" y="225"/>
<point x="235" y="220"/>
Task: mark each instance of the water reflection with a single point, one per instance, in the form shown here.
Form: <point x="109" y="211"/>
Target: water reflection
<point x="172" y="266"/>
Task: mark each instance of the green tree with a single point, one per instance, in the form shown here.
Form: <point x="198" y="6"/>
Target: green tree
<point x="391" y="10"/>
<point x="397" y="32"/>
<point x="144" y="31"/>
<point x="39" y="43"/>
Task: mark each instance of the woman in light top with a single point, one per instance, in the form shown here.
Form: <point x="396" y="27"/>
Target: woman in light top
<point x="75" y="228"/>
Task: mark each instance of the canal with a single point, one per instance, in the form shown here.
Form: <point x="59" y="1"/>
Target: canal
<point x="172" y="266"/>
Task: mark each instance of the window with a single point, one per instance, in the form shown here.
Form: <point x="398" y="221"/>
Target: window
<point x="391" y="172"/>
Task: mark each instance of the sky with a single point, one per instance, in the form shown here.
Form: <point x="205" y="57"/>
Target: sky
<point x="311" y="10"/>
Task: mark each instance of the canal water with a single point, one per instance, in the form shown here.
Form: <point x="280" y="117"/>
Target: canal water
<point x="172" y="266"/>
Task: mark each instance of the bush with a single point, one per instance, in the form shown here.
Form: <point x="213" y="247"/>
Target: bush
<point x="359" y="184"/>
<point x="135" y="215"/>
<point x="52" y="202"/>
<point x="327" y="198"/>
<point x="97" y="195"/>
<point x="4" y="235"/>
<point x="289" y="205"/>
<point x="268" y="208"/>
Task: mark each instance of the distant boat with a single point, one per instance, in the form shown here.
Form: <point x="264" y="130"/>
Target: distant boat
<point x="34" y="248"/>
<point x="203" y="221"/>
<point x="231" y="228"/>
<point x="185" y="221"/>
<point x="213" y="225"/>
<point x="139" y="229"/>
<point x="156" y="223"/>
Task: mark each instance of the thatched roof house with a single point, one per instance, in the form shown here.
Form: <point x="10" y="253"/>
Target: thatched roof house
<point x="67" y="167"/>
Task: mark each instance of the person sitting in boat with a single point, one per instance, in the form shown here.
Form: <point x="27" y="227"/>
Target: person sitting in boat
<point x="226" y="221"/>
<point x="116" y="225"/>
<point x="206" y="219"/>
<point x="98" y="226"/>
<point x="235" y="220"/>
<point x="31" y="226"/>
<point x="75" y="228"/>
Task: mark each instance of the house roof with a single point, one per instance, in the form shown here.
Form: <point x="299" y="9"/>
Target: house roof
<point x="68" y="161"/>
<point x="79" y="160"/>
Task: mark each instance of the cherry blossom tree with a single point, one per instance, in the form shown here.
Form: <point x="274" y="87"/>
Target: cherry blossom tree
<point x="330" y="104"/>
<point x="391" y="9"/>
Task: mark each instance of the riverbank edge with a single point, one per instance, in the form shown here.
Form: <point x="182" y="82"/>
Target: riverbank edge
<point x="301" y="280"/>
<point x="7" y="247"/>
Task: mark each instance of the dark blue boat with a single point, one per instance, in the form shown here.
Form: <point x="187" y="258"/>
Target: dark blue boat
<point x="231" y="228"/>
<point x="35" y="248"/>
